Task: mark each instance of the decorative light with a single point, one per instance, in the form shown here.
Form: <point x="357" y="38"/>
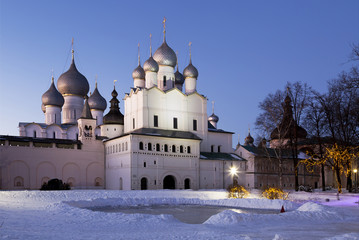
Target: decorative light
<point x="233" y="171"/>
<point x="355" y="170"/>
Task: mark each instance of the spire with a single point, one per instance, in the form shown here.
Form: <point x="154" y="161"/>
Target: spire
<point x="86" y="112"/>
<point x="150" y="45"/>
<point x="164" y="29"/>
<point x="139" y="60"/>
<point x="190" y="54"/>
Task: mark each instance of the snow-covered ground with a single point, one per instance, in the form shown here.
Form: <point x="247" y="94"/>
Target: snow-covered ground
<point x="61" y="215"/>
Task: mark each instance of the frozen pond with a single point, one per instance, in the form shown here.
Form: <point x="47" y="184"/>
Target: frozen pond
<point x="193" y="214"/>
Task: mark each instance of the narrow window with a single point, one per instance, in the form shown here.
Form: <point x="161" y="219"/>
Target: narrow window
<point x="144" y="164"/>
<point x="188" y="149"/>
<point x="77" y="136"/>
<point x="141" y="145"/>
<point x="164" y="81"/>
<point x="155" y="121"/>
<point x="75" y="113"/>
<point x="212" y="148"/>
<point x="175" y="126"/>
<point x="133" y="123"/>
<point x="154" y="162"/>
<point x="166" y="148"/>
<point x="158" y="147"/>
<point x="219" y="148"/>
<point x="174" y="148"/>
<point x="126" y="146"/>
<point x="149" y="146"/>
<point x="181" y="149"/>
<point x="53" y="135"/>
<point x="155" y="182"/>
<point x="194" y="125"/>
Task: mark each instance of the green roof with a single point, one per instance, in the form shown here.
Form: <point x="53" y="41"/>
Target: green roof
<point x="220" y="156"/>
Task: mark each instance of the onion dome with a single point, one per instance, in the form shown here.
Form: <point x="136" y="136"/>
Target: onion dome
<point x="96" y="101"/>
<point x="52" y="96"/>
<point x="73" y="82"/>
<point x="249" y="140"/>
<point x="190" y="71"/>
<point x="213" y="118"/>
<point x="138" y="73"/>
<point x="150" y="65"/>
<point x="164" y="55"/>
<point x="43" y="108"/>
<point x="114" y="116"/>
<point x="179" y="79"/>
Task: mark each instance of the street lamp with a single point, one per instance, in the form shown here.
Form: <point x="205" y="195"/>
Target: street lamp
<point x="233" y="171"/>
<point x="356" y="181"/>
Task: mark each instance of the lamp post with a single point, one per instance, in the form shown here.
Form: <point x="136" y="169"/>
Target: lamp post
<point x="233" y="172"/>
<point x="356" y="181"/>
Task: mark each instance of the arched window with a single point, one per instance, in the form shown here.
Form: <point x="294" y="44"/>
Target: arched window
<point x="187" y="183"/>
<point x="181" y="149"/>
<point x="98" y="182"/>
<point x="141" y="145"/>
<point x="164" y="81"/>
<point x="174" y="148"/>
<point x="53" y="135"/>
<point x="149" y="147"/>
<point x="219" y="148"/>
<point x="158" y="147"/>
<point x="166" y="148"/>
<point x="34" y="134"/>
<point x="18" y="182"/>
<point x="188" y="149"/>
<point x="144" y="164"/>
<point x="212" y="148"/>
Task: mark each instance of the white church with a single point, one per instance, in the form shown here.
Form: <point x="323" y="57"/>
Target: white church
<point x="164" y="139"/>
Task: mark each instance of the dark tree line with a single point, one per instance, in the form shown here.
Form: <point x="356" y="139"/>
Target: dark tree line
<point x="333" y="115"/>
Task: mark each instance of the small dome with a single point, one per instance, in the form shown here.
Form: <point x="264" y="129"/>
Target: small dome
<point x="52" y="96"/>
<point x="114" y="116"/>
<point x="190" y="71"/>
<point x="248" y="140"/>
<point x="96" y="101"/>
<point x="73" y="82"/>
<point x="138" y="73"/>
<point x="213" y="118"/>
<point x="164" y="55"/>
<point x="179" y="79"/>
<point x="150" y="65"/>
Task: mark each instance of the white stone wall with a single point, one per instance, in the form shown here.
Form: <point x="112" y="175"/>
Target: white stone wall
<point x="27" y="167"/>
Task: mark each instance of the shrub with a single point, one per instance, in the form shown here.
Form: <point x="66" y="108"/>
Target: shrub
<point x="275" y="193"/>
<point x="55" y="184"/>
<point x="237" y="191"/>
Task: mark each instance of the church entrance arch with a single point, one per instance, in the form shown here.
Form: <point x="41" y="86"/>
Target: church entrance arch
<point x="187" y="183"/>
<point x="169" y="182"/>
<point x="143" y="183"/>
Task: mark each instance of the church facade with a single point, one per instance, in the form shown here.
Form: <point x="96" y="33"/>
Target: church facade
<point x="164" y="140"/>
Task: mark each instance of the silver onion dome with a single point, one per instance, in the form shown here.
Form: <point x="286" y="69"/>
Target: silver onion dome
<point x="52" y="96"/>
<point x="73" y="82"/>
<point x="213" y="118"/>
<point x="96" y="101"/>
<point x="179" y="79"/>
<point x="164" y="55"/>
<point x="138" y="72"/>
<point x="150" y="65"/>
<point x="190" y="71"/>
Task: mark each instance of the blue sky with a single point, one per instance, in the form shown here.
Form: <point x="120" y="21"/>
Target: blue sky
<point x="243" y="50"/>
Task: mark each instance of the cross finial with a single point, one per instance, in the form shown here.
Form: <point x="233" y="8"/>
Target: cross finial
<point x="288" y="89"/>
<point x="52" y="75"/>
<point x="177" y="59"/>
<point x="238" y="138"/>
<point x="96" y="81"/>
<point x="114" y="81"/>
<point x="150" y="44"/>
<point x="164" y="28"/>
<point x="249" y="129"/>
<point x="212" y="106"/>
<point x="139" y="63"/>
<point x="190" y="54"/>
<point x="72" y="48"/>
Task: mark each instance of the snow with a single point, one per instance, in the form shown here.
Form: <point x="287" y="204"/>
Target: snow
<point x="62" y="215"/>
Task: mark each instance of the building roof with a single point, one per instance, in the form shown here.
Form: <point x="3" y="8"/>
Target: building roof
<point x="267" y="152"/>
<point x="44" y="125"/>
<point x="39" y="140"/>
<point x="220" y="156"/>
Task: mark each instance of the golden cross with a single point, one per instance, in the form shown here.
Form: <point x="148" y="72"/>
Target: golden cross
<point x="114" y="82"/>
<point x="190" y="54"/>
<point x="138" y="53"/>
<point x="164" y="28"/>
<point x="150" y="44"/>
<point x="212" y="106"/>
<point x="96" y="81"/>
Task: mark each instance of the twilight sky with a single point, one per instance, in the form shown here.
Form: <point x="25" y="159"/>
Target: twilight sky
<point x="243" y="50"/>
